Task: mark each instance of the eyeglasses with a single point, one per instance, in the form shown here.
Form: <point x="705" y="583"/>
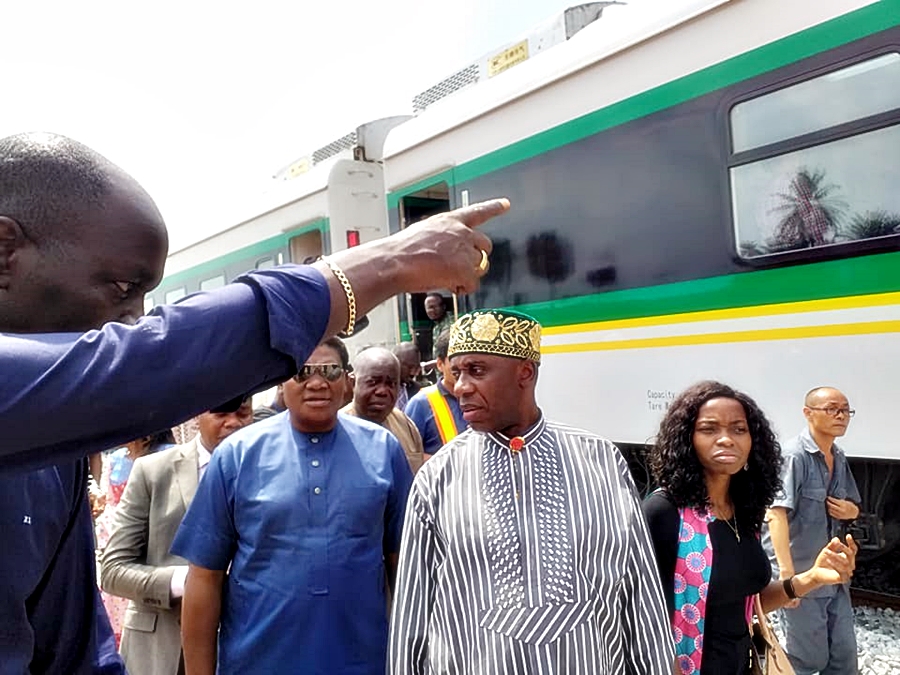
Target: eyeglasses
<point x="330" y="371"/>
<point x="834" y="412"/>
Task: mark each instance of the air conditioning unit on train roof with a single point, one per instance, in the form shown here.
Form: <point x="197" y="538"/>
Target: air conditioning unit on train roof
<point x="556" y="30"/>
<point x="365" y="142"/>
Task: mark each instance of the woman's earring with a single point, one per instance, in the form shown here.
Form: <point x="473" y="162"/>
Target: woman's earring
<point x="747" y="466"/>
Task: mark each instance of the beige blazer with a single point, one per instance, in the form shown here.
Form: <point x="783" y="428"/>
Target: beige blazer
<point x="137" y="563"/>
<point x="404" y="430"/>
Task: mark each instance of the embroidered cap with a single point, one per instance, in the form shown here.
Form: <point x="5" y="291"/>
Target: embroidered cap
<point x="496" y="331"/>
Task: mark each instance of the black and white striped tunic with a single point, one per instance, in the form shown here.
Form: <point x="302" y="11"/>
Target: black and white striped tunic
<point x="536" y="562"/>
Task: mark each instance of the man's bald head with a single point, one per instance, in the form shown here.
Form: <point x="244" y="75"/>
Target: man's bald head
<point x="816" y="396"/>
<point x="376" y="373"/>
<point x="50" y="183"/>
<point x="80" y="240"/>
<point x="827" y="412"/>
<point x="375" y="357"/>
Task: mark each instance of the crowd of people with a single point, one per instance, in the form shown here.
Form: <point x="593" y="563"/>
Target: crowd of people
<point x="364" y="523"/>
<point x="310" y="522"/>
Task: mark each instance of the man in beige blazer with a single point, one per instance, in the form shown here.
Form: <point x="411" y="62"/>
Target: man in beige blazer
<point x="137" y="564"/>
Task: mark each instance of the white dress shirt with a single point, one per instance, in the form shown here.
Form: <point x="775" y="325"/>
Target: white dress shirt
<point x="178" y="578"/>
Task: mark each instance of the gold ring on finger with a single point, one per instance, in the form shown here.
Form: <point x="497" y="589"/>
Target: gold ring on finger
<point x="483" y="265"/>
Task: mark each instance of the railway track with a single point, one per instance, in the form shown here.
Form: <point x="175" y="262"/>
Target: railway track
<point x="866" y="598"/>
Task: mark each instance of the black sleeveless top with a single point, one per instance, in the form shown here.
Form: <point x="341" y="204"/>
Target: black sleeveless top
<point x="740" y="569"/>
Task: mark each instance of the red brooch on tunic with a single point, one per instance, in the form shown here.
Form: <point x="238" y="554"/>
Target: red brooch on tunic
<point x="516" y="444"/>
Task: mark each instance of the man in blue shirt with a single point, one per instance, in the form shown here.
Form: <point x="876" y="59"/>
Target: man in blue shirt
<point x="435" y="410"/>
<point x="819" y="498"/>
<point x="80" y="243"/>
<point x="51" y="193"/>
<point x="306" y="509"/>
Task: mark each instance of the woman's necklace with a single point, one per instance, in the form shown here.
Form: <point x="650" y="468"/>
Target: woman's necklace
<point x="733" y="528"/>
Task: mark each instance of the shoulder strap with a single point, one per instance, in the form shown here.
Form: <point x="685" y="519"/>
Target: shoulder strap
<point x="443" y="418"/>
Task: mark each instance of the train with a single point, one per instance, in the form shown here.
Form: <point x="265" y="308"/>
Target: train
<point x="709" y="193"/>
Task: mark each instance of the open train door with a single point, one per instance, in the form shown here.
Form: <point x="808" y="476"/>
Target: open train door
<point x="414" y="207"/>
<point x="357" y="214"/>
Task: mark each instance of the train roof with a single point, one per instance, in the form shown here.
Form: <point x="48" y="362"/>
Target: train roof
<point x="277" y="195"/>
<point x="307" y="176"/>
<point x="622" y="28"/>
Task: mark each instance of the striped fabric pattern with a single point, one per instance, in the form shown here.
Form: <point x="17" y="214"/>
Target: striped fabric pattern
<point x="531" y="562"/>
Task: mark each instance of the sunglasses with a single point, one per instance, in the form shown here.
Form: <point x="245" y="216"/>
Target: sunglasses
<point x="330" y="371"/>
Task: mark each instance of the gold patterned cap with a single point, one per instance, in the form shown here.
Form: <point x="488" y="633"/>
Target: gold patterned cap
<point x="498" y="332"/>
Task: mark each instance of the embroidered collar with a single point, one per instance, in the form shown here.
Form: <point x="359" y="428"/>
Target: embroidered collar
<point x="517" y="444"/>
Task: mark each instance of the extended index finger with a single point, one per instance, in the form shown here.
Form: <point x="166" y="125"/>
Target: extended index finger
<point x="477" y="214"/>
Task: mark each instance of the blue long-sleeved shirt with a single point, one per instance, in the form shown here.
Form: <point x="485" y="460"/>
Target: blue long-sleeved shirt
<point x="52" y="618"/>
<point x="64" y="396"/>
<point x="302" y="522"/>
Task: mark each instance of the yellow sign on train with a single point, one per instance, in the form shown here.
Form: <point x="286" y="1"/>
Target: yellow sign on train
<point x="509" y="57"/>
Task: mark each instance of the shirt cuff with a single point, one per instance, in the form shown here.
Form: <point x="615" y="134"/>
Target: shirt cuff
<point x="176" y="586"/>
<point x="298" y="304"/>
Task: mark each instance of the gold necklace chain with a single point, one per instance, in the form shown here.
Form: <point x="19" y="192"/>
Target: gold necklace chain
<point x="733" y="528"/>
<point x="727" y="521"/>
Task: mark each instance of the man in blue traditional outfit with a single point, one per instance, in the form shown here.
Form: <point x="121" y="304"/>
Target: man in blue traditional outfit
<point x="304" y="510"/>
<point x="80" y="244"/>
<point x="524" y="549"/>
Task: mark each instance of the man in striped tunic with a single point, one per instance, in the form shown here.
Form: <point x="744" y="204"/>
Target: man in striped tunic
<point x="524" y="549"/>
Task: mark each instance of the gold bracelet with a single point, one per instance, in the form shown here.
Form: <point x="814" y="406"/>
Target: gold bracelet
<point x="348" y="291"/>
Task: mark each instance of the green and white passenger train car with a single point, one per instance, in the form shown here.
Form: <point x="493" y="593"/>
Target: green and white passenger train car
<point x="712" y="194"/>
<point x="340" y="201"/>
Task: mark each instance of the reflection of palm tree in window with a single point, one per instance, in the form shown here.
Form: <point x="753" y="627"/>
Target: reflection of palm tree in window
<point x="871" y="224"/>
<point x="811" y="213"/>
<point x="549" y="257"/>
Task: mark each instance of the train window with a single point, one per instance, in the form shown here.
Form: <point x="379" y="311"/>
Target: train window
<point x="831" y="194"/>
<point x="175" y="295"/>
<point x="265" y="263"/>
<point x="861" y="90"/>
<point x="815" y="165"/>
<point x="213" y="282"/>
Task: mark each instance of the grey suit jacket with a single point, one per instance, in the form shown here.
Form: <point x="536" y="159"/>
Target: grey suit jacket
<point x="137" y="563"/>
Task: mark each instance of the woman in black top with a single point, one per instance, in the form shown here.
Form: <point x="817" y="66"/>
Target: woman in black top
<point x="716" y="455"/>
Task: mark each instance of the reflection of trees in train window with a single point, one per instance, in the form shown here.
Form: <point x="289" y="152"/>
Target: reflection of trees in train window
<point x="831" y="194"/>
<point x="839" y="191"/>
<point x="499" y="274"/>
<point x="808" y="213"/>
<point x="549" y="257"/>
<point x="537" y="265"/>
